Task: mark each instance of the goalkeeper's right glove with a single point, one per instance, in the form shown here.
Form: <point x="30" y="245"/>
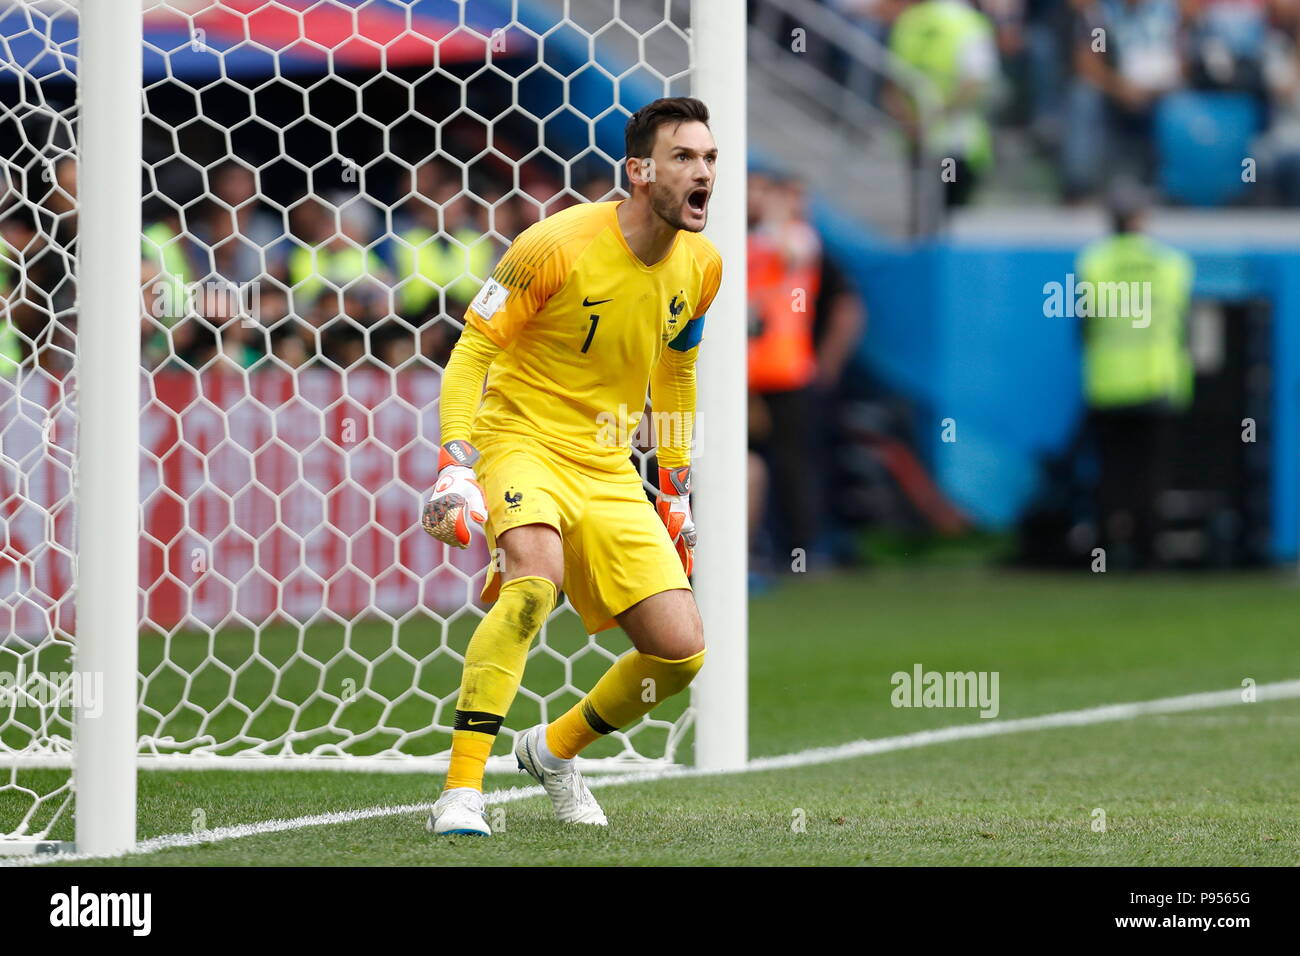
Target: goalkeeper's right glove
<point x="456" y="494"/>
<point x="674" y="507"/>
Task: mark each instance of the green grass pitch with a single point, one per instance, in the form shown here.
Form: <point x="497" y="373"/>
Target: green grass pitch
<point x="1208" y="787"/>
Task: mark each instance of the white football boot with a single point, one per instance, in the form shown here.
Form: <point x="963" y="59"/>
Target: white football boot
<point x="572" y="800"/>
<point x="459" y="812"/>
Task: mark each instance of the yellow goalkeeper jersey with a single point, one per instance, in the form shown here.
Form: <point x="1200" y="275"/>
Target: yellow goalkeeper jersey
<point x="582" y="322"/>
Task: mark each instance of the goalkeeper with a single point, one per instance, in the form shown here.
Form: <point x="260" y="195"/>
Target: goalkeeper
<point x="586" y="311"/>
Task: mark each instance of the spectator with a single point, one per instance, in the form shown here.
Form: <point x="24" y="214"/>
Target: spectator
<point x="1127" y="55"/>
<point x="784" y="275"/>
<point x="508" y="217"/>
<point x="443" y="248"/>
<point x="393" y="345"/>
<point x="600" y="187"/>
<point x="952" y="46"/>
<point x="1226" y="44"/>
<point x="1047" y="39"/>
<point x="166" y="268"/>
<point x="338" y="261"/>
<point x="60" y="203"/>
<point x="1008" y="19"/>
<point x="1278" y="148"/>
<point x="289" y="346"/>
<point x="16" y="235"/>
<point x="757" y="487"/>
<point x="39" y="287"/>
<point x="11" y="347"/>
<point x="242" y="238"/>
<point x="838" y="323"/>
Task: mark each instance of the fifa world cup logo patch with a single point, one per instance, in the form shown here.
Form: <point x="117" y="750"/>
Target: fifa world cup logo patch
<point x="513" y="498"/>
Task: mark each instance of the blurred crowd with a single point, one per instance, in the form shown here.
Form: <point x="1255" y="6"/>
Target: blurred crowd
<point x="1091" y="81"/>
<point x="236" y="276"/>
<point x="235" y="280"/>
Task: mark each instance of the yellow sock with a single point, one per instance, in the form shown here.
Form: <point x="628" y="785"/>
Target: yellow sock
<point x="631" y="687"/>
<point x="494" y="666"/>
<point x="469" y="753"/>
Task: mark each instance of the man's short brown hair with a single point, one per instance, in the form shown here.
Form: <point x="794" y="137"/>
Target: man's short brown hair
<point x="639" y="137"/>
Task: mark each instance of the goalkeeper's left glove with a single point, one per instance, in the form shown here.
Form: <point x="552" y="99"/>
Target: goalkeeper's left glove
<point x="674" y="507"/>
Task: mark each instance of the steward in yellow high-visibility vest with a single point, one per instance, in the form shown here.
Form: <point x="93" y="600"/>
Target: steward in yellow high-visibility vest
<point x="11" y="348"/>
<point x="310" y="269"/>
<point x="160" y="247"/>
<point x="427" y="263"/>
<point x="1141" y="355"/>
<point x="166" y="296"/>
<point x="953" y="46"/>
<point x="1133" y="295"/>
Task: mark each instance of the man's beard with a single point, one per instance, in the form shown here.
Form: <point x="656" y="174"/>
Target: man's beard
<point x="668" y="208"/>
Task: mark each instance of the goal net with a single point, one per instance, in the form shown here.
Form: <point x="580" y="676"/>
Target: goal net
<point x="326" y="183"/>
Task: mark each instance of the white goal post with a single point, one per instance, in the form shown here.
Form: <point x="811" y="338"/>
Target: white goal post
<point x="721" y="691"/>
<point x="108" y="428"/>
<point x="212" y="555"/>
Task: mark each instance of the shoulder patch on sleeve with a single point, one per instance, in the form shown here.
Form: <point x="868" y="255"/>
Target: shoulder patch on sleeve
<point x="690" y="336"/>
<point x="490" y="299"/>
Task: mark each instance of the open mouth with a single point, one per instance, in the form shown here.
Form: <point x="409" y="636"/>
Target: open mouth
<point x="697" y="198"/>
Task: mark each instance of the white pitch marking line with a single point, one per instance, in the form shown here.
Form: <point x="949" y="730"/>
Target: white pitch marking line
<point x="1282" y="690"/>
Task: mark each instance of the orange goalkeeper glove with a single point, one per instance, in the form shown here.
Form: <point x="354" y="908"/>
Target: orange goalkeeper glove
<point x="456" y="495"/>
<point x="674" y="507"/>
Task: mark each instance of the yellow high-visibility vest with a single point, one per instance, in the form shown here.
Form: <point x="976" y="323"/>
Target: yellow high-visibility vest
<point x="929" y="36"/>
<point x="310" y="269"/>
<point x="426" y="265"/>
<point x="11" y="349"/>
<point x="166" y="302"/>
<point x="1132" y="359"/>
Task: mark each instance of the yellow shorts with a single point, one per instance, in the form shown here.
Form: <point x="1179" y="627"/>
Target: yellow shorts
<point x="616" y="549"/>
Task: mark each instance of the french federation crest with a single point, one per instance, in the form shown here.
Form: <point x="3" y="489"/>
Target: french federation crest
<point x="676" y="306"/>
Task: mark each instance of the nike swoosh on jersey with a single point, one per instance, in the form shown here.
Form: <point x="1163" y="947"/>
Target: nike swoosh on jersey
<point x="588" y="305"/>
